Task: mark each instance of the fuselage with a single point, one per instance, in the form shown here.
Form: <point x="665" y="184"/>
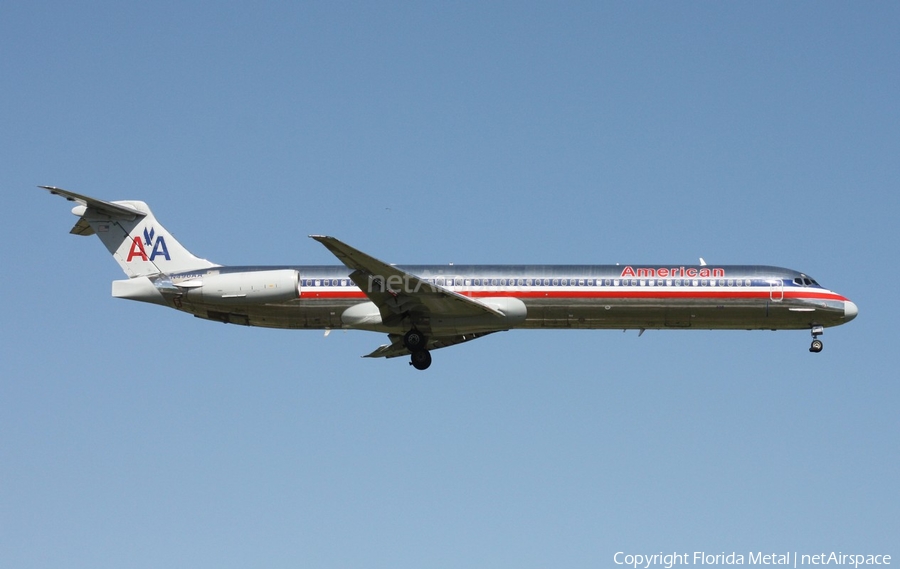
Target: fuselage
<point x="427" y="307"/>
<point x="554" y="296"/>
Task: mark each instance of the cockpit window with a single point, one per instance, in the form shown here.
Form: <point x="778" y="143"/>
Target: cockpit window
<point x="804" y="280"/>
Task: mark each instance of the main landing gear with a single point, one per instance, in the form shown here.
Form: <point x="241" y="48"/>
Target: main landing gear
<point x="420" y="360"/>
<point x="816" y="345"/>
<point x="417" y="343"/>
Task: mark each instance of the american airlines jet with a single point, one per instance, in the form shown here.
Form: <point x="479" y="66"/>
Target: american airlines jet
<point x="425" y="307"/>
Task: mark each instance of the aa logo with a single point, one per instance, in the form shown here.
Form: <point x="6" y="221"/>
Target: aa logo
<point x="139" y="247"/>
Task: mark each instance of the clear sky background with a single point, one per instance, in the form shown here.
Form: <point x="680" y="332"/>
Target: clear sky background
<point x="746" y="133"/>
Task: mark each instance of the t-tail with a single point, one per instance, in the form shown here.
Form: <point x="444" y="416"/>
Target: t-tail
<point x="140" y="245"/>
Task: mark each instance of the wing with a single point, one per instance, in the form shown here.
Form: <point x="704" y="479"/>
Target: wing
<point x="398" y="294"/>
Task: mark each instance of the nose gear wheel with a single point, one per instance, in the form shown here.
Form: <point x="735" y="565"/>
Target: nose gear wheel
<point x="816" y="345"/>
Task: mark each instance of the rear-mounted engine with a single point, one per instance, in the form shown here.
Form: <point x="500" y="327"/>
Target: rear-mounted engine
<point x="257" y="287"/>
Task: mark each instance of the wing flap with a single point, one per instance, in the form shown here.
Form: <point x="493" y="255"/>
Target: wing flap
<point x="397" y="349"/>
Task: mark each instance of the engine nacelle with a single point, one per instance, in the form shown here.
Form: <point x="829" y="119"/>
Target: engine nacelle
<point x="255" y="287"/>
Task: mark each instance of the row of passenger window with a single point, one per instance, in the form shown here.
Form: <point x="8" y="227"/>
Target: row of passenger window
<point x="306" y="283"/>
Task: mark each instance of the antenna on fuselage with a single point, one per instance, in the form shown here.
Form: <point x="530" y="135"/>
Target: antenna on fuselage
<point x="702" y="262"/>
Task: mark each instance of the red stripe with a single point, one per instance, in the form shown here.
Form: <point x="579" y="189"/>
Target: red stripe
<point x="736" y="295"/>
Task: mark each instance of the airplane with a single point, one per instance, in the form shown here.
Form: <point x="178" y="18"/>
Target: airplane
<point x="426" y="307"/>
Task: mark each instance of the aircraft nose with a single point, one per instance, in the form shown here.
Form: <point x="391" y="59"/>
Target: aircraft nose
<point x="850" y="311"/>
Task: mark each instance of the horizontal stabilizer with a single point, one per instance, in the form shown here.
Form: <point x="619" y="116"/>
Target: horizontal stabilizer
<point x="116" y="211"/>
<point x="131" y="233"/>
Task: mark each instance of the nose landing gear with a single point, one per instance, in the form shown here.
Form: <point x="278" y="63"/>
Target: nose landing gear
<point x="816" y="345"/>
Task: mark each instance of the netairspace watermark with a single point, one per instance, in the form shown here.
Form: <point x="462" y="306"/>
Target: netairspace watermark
<point x="786" y="559"/>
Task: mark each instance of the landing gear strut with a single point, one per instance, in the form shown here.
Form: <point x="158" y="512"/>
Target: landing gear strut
<point x="417" y="343"/>
<point x="816" y="345"/>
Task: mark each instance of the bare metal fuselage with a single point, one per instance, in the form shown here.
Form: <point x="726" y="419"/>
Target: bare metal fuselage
<point x="427" y="307"/>
<point x="582" y="297"/>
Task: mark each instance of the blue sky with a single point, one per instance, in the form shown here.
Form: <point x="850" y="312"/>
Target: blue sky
<point x="746" y="133"/>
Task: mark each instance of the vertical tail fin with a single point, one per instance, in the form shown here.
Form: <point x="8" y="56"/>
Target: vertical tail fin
<point x="140" y="245"/>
